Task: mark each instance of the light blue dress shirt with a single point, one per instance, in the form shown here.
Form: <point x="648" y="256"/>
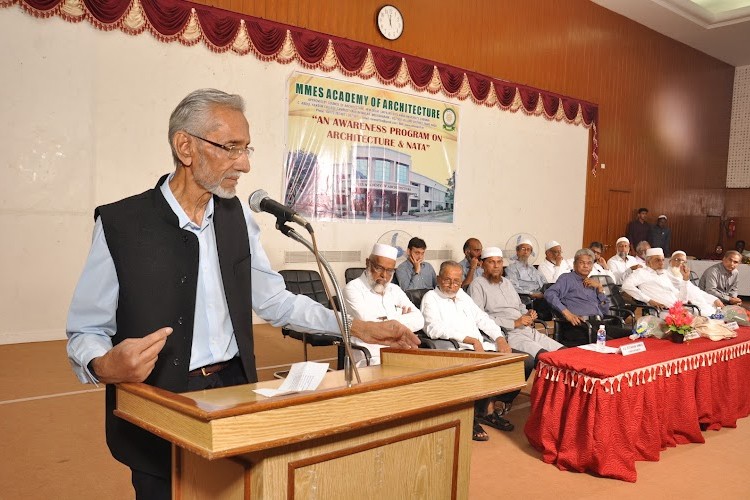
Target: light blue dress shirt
<point x="92" y="316"/>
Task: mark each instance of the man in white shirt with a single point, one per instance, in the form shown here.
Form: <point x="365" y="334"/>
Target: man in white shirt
<point x="640" y="252"/>
<point x="653" y="285"/>
<point x="554" y="265"/>
<point x="694" y="294"/>
<point x="623" y="261"/>
<point x="373" y="297"/>
<point x="449" y="313"/>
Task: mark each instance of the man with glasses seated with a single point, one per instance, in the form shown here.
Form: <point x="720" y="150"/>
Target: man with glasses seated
<point x="622" y="262"/>
<point x="373" y="297"/>
<point x="449" y="313"/>
<point x="580" y="300"/>
<point x="600" y="267"/>
<point x="654" y="285"/>
<point x="497" y="297"/>
<point x="528" y="281"/>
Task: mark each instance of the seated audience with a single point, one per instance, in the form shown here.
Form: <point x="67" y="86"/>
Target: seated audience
<point x="740" y="247"/>
<point x="471" y="265"/>
<point x="497" y="297"/>
<point x="526" y="279"/>
<point x="554" y="265"/>
<point x="414" y="272"/>
<point x="600" y="267"/>
<point x="717" y="254"/>
<point x="449" y="313"/>
<point x="653" y="286"/>
<point x="372" y="296"/>
<point x="580" y="299"/>
<point x="622" y="261"/>
<point x="640" y="252"/>
<point x="720" y="280"/>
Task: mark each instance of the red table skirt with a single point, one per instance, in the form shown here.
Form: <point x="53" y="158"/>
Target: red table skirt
<point x="583" y="423"/>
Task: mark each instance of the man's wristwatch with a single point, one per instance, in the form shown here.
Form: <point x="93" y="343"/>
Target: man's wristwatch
<point x="90" y="367"/>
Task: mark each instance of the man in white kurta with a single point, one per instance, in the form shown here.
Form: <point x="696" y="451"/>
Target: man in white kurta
<point x="374" y="297"/>
<point x="703" y="300"/>
<point x="653" y="285"/>
<point x="449" y="313"/>
<point x="497" y="297"/>
<point x="622" y="262"/>
<point x="554" y="265"/>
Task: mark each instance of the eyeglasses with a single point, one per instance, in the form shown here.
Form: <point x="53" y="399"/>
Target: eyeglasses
<point x="233" y="152"/>
<point x="450" y="282"/>
<point x="382" y="270"/>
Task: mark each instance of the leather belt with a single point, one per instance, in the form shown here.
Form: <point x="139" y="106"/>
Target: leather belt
<point x="207" y="370"/>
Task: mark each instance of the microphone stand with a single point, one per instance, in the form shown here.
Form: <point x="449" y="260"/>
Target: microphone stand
<point x="344" y="323"/>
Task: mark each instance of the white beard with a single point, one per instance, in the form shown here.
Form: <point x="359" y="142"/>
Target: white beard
<point x="374" y="285"/>
<point x="623" y="255"/>
<point x="675" y="271"/>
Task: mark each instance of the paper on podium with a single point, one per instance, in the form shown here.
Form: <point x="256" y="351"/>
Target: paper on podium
<point x="305" y="376"/>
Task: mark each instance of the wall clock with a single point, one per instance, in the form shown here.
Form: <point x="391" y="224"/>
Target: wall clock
<point x="390" y="22"/>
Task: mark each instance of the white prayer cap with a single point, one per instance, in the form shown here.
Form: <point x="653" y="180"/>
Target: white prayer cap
<point x="651" y="252"/>
<point x="662" y="216"/>
<point x="491" y="252"/>
<point x="525" y="242"/>
<point x="621" y="239"/>
<point x="386" y="251"/>
<point x="551" y="244"/>
<point x="678" y="252"/>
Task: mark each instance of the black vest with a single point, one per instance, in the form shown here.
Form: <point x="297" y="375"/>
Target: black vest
<point x="157" y="270"/>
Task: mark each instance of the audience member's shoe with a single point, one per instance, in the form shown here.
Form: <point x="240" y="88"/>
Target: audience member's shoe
<point x="496" y="422"/>
<point x="479" y="434"/>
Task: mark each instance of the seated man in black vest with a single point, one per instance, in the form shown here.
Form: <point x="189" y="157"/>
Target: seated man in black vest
<point x="166" y="294"/>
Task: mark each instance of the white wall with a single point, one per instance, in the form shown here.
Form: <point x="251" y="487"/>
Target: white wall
<point x="84" y="122"/>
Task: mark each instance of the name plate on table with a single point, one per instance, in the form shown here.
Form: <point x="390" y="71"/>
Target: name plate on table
<point x="633" y="348"/>
<point x="732" y="325"/>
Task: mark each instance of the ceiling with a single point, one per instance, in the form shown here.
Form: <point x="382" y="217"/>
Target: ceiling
<point x="720" y="28"/>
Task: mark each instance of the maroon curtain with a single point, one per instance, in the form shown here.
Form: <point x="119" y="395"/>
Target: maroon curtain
<point x="168" y="19"/>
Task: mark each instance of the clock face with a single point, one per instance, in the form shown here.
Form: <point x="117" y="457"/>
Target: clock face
<point x="390" y="22"/>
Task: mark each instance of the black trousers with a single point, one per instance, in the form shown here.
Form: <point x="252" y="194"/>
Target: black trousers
<point x="150" y="487"/>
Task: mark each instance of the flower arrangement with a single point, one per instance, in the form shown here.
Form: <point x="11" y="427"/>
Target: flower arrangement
<point x="679" y="321"/>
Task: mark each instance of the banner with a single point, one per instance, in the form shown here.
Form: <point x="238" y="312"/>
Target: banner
<point x="356" y="152"/>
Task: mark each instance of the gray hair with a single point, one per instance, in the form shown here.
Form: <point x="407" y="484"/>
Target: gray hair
<point x="447" y="264"/>
<point x="733" y="253"/>
<point x="192" y="114"/>
<point x="583" y="251"/>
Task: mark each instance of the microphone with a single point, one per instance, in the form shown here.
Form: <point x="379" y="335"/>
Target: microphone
<point x="259" y="201"/>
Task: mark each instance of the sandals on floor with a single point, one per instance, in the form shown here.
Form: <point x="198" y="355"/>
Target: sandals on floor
<point x="496" y="422"/>
<point x="479" y="434"/>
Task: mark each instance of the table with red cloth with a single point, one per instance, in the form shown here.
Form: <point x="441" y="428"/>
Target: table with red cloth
<point x="602" y="412"/>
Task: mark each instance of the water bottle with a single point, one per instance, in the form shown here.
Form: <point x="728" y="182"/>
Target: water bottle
<point x="601" y="336"/>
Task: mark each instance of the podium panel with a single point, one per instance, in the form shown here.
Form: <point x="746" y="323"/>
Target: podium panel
<point x="404" y="432"/>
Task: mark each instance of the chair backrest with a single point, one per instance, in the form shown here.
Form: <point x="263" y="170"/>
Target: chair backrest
<point x="416" y="295"/>
<point x="305" y="282"/>
<point x="611" y="289"/>
<point x="353" y="273"/>
<point x="694" y="278"/>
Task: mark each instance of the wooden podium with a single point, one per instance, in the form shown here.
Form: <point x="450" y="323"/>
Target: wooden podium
<point x="404" y="432"/>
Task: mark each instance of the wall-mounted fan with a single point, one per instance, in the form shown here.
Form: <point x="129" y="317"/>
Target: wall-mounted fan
<point x="396" y="238"/>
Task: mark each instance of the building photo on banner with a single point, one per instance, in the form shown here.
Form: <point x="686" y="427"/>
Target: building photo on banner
<point x="356" y="152"/>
